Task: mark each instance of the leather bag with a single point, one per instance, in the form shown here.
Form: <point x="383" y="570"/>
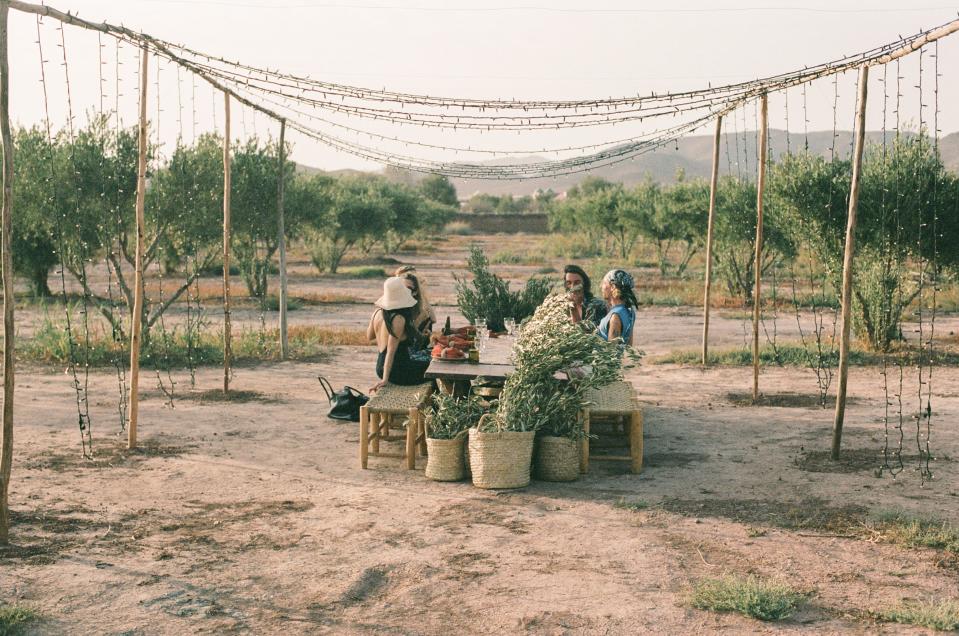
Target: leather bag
<point x="344" y="404"/>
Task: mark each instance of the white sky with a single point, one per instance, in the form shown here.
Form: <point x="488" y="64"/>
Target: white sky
<point x="542" y="49"/>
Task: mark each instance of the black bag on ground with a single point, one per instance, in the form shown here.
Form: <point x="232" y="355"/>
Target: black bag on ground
<point x="344" y="404"/>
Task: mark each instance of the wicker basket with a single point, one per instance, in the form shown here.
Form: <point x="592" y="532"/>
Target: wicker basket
<point x="445" y="458"/>
<point x="557" y="458"/>
<point x="500" y="460"/>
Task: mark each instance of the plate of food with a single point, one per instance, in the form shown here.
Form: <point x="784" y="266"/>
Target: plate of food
<point x="448" y="354"/>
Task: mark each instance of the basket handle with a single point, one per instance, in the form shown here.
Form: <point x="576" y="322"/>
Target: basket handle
<point x="327" y="388"/>
<point x="482" y="419"/>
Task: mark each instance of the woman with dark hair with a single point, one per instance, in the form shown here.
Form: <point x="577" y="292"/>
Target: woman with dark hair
<point x="618" y="292"/>
<point x="391" y="326"/>
<point x="585" y="306"/>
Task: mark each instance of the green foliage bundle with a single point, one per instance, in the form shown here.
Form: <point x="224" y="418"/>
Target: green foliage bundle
<point x="451" y="416"/>
<point x="488" y="296"/>
<point x="533" y="399"/>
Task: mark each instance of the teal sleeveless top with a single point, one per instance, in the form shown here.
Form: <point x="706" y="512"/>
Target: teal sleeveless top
<point x="627" y="317"/>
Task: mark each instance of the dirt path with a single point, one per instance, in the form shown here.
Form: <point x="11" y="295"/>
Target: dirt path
<point x="255" y="517"/>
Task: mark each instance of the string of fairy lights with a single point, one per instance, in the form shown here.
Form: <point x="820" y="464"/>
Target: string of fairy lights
<point x="312" y="108"/>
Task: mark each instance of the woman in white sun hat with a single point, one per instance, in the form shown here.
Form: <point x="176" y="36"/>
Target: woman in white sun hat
<point x="391" y="326"/>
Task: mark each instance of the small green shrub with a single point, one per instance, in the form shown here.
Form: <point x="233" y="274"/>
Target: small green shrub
<point x="793" y="355"/>
<point x="216" y="269"/>
<point x="458" y="228"/>
<point x="942" y="615"/>
<point x="572" y="246"/>
<point x="171" y="349"/>
<point x="751" y="596"/>
<point x="509" y="257"/>
<point x="916" y="532"/>
<point x="272" y="303"/>
<point x="363" y="272"/>
<point x="15" y="618"/>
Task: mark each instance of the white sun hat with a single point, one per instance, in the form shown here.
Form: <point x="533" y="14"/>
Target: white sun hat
<point x="396" y="295"/>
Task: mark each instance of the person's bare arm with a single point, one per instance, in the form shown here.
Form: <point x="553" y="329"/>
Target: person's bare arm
<point x="371" y="329"/>
<point x="615" y="327"/>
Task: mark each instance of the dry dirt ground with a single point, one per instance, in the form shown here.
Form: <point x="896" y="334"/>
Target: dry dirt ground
<point x="253" y="516"/>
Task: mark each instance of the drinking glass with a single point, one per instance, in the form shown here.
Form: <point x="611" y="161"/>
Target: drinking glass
<point x="479" y="323"/>
<point x="482" y="338"/>
<point x="510" y="325"/>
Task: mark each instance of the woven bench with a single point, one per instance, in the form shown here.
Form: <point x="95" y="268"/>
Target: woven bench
<point x="616" y="401"/>
<point x="379" y="414"/>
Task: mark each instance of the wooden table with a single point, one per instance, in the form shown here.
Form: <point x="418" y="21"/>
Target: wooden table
<point x="494" y="364"/>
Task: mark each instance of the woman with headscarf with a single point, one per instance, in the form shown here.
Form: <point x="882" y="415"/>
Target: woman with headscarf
<point x="391" y="326"/>
<point x="619" y="295"/>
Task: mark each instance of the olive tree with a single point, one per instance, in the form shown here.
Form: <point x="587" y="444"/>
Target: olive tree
<point x="906" y="215"/>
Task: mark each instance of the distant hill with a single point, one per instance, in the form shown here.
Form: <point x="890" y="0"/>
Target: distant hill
<point x="691" y="154"/>
<point x="310" y="170"/>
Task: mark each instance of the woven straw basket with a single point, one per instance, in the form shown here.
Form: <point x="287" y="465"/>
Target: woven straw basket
<point x="557" y="458"/>
<point x="445" y="460"/>
<point x="501" y="460"/>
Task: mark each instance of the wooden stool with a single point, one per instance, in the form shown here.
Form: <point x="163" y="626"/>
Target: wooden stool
<point x="377" y="416"/>
<point x="616" y="400"/>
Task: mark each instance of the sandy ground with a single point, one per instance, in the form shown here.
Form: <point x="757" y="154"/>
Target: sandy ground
<point x="254" y="516"/>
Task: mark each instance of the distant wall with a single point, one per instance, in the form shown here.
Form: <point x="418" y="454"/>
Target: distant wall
<point x="505" y="223"/>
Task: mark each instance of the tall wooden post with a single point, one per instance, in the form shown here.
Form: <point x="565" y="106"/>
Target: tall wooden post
<point x="137" y="317"/>
<point x="713" y="182"/>
<point x="6" y="261"/>
<point x="758" y="262"/>
<point x="847" y="262"/>
<point x="227" y="331"/>
<point x="281" y="238"/>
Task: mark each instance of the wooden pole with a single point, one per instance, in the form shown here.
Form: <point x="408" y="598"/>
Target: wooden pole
<point x="137" y="317"/>
<point x="227" y="182"/>
<point x="6" y="261"/>
<point x="281" y="238"/>
<point x="714" y="180"/>
<point x="847" y="262"/>
<point x="758" y="262"/>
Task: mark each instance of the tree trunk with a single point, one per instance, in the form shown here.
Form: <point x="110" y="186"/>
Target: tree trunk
<point x="39" y="284"/>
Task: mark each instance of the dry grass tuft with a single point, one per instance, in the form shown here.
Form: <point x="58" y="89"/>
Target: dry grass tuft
<point x="751" y="596"/>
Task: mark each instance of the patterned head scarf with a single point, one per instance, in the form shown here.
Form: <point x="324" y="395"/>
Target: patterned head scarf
<point x="621" y="279"/>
